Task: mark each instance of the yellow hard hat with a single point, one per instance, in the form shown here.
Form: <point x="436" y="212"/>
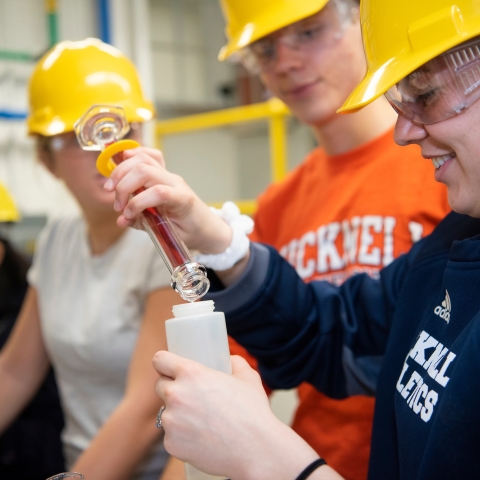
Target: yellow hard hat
<point x="73" y="76"/>
<point x="249" y="20"/>
<point x="400" y="37"/>
<point x="8" y="210"/>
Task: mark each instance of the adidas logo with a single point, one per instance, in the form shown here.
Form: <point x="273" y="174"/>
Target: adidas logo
<point x="444" y="310"/>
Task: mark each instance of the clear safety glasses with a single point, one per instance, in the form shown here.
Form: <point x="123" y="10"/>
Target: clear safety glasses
<point x="314" y="33"/>
<point x="67" y="142"/>
<point x="442" y="88"/>
<point x="63" y="142"/>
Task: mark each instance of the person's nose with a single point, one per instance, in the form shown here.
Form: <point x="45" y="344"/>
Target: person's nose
<point x="287" y="57"/>
<point x="408" y="132"/>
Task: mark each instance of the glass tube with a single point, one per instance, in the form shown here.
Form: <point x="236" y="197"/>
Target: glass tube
<point x="104" y="125"/>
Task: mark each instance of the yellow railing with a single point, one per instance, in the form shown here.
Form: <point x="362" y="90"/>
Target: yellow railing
<point x="273" y="110"/>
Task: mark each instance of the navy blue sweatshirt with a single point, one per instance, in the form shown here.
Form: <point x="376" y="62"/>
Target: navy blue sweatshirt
<point x="422" y="317"/>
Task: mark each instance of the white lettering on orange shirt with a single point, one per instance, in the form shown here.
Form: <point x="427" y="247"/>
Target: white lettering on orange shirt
<point x="350" y="243"/>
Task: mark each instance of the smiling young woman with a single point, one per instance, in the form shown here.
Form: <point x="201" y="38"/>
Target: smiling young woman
<point x="422" y="313"/>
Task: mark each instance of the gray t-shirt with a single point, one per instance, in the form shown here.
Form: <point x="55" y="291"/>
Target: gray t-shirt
<point x="91" y="308"/>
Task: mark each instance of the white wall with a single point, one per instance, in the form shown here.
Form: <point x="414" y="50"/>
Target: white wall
<point x="207" y="161"/>
<point x="23" y="25"/>
<point x="76" y="19"/>
<point x="231" y="163"/>
<point x="186" y="37"/>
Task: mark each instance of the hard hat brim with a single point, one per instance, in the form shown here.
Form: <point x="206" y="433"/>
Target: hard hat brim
<point x="269" y="22"/>
<point x="376" y="83"/>
<point x="143" y="112"/>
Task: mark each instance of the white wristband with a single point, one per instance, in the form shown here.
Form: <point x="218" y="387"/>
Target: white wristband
<point x="241" y="225"/>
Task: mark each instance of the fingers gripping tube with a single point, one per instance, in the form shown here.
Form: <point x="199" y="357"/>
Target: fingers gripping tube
<point x="102" y="128"/>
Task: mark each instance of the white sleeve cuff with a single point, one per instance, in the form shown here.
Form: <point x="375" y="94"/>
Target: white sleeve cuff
<point x="241" y="226"/>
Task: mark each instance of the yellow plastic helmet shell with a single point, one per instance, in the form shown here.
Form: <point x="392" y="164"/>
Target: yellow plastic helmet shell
<point x="8" y="210"/>
<point x="73" y="76"/>
<point x="249" y="20"/>
<point x="400" y="37"/>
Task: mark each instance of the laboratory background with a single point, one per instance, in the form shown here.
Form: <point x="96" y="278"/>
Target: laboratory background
<point x="216" y="124"/>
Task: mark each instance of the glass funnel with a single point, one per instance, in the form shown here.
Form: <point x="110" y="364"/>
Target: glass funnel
<point x="103" y="126"/>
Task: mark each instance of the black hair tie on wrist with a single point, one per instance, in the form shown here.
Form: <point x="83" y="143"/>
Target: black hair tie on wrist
<point x="310" y="468"/>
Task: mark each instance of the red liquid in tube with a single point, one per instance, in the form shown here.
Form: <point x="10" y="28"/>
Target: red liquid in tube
<point x="173" y="247"/>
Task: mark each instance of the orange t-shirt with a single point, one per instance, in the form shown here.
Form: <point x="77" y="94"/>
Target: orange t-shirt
<point x="331" y="218"/>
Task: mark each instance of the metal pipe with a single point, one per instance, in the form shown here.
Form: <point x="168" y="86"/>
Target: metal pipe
<point x="52" y="18"/>
<point x="103" y="7"/>
<point x="16" y="56"/>
<point x="12" y="115"/>
<point x="228" y="116"/>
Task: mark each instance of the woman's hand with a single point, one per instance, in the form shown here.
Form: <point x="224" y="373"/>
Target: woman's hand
<point x="222" y="424"/>
<point x="143" y="167"/>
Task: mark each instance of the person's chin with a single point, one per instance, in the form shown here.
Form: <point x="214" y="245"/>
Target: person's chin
<point x="105" y="202"/>
<point x="464" y="206"/>
<point x="314" y="116"/>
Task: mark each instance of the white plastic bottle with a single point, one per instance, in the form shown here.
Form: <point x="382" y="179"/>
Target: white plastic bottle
<point x="200" y="334"/>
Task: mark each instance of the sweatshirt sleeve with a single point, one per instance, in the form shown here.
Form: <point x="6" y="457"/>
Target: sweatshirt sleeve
<point x="332" y="337"/>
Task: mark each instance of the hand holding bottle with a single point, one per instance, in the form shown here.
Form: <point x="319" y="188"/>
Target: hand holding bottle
<point x="222" y="424"/>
